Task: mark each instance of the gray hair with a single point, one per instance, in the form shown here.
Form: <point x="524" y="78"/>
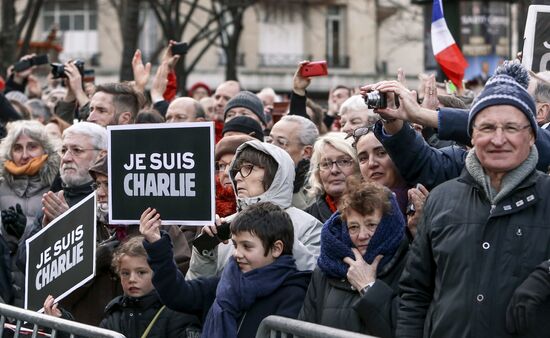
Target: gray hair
<point x="39" y="109"/>
<point x="542" y="89"/>
<point x="336" y="140"/>
<point x="96" y="133"/>
<point x="353" y="103"/>
<point x="36" y="131"/>
<point x="308" y="130"/>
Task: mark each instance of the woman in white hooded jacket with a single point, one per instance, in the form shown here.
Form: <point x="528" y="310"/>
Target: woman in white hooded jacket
<point x="261" y="172"/>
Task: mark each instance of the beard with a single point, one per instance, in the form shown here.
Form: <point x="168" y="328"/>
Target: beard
<point x="102" y="212"/>
<point x="76" y="178"/>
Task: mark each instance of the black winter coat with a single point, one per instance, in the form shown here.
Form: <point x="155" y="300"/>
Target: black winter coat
<point x="469" y="257"/>
<point x="335" y="303"/>
<point x="320" y="209"/>
<point x="131" y="317"/>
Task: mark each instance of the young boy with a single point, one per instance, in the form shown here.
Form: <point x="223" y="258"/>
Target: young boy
<point x="260" y="279"/>
<point x="133" y="313"/>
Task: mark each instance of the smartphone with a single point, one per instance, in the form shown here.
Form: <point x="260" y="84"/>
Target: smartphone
<point x="28" y="63"/>
<point x="315" y="68"/>
<point x="180" y="48"/>
<point x="204" y="242"/>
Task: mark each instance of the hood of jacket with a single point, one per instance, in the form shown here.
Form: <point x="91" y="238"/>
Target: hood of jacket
<point x="280" y="190"/>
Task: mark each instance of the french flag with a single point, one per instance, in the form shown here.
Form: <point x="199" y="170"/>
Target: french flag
<point x="446" y="52"/>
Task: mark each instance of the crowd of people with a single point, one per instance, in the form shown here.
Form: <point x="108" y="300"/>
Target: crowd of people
<point x="427" y="217"/>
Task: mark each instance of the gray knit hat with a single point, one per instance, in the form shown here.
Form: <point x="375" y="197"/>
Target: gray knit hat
<point x="249" y="100"/>
<point x="507" y="87"/>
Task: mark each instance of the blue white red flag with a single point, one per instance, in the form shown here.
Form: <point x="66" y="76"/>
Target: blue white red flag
<point x="446" y="52"/>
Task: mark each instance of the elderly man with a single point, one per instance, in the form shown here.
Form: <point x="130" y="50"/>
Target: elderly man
<point x="539" y="87"/>
<point x="185" y="109"/>
<point x="114" y="103"/>
<point x="225" y="92"/>
<point x="296" y="135"/>
<point x="483" y="234"/>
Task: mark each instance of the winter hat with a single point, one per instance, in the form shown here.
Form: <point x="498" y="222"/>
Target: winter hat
<point x="507" y="87"/>
<point x="245" y="125"/>
<point x="99" y="167"/>
<point x="229" y="144"/>
<point x="246" y="99"/>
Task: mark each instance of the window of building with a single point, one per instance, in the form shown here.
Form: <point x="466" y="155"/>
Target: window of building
<point x="336" y="37"/>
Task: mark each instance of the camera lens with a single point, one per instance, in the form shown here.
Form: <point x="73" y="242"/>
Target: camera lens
<point x="375" y="99"/>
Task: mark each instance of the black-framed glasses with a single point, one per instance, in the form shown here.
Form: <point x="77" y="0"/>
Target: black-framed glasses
<point x="244" y="169"/>
<point x="97" y="185"/>
<point x="358" y="132"/>
<point x="340" y="163"/>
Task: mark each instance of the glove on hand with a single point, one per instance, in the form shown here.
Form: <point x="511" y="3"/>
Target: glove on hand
<point x="14" y="220"/>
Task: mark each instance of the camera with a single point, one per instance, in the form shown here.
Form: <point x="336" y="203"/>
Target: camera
<point x="28" y="63"/>
<point x="180" y="48"/>
<point x="58" y="69"/>
<point x="376" y="99"/>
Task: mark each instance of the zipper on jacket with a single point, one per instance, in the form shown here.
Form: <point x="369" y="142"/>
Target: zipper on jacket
<point x="241" y="323"/>
<point x="493" y="207"/>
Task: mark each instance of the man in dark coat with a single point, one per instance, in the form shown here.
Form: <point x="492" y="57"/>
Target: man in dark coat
<point x="482" y="234"/>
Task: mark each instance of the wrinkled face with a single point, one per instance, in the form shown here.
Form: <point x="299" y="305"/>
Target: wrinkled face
<point x="375" y="163"/>
<point x="241" y="111"/>
<point x="249" y="180"/>
<point x="502" y="138"/>
<point x="285" y="135"/>
<point x="249" y="252"/>
<point x="361" y="228"/>
<point x="102" y="109"/>
<point x="79" y="156"/>
<point x="353" y="119"/>
<point x="334" y="176"/>
<point x="102" y="188"/>
<point x="25" y="149"/>
<point x="223" y="165"/>
<point x="224" y="93"/>
<point x="180" y="111"/>
<point x="135" y="276"/>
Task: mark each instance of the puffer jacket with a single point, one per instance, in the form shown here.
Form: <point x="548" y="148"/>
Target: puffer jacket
<point x="307" y="229"/>
<point x="469" y="257"/>
<point x="131" y="317"/>
<point x="334" y="302"/>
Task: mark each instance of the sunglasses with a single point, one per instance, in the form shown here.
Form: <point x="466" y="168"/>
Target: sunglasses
<point x="358" y="132"/>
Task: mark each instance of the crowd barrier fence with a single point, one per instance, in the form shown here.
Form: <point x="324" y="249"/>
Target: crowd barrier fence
<point x="42" y="321"/>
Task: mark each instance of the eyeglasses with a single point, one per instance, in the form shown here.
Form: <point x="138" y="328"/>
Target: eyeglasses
<point x="220" y="166"/>
<point x="509" y="129"/>
<point x="358" y="132"/>
<point x="354" y="229"/>
<point x="340" y="163"/>
<point x="245" y="170"/>
<point x="75" y="151"/>
<point x="97" y="185"/>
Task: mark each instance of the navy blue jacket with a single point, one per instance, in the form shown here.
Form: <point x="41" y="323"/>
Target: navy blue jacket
<point x="197" y="296"/>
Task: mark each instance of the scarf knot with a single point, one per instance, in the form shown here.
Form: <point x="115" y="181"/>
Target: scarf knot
<point x="336" y="243"/>
<point x="30" y="169"/>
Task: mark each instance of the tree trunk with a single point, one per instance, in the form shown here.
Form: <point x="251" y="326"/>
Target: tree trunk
<point x="130" y="35"/>
<point x="8" y="36"/>
<point x="30" y="28"/>
<point x="232" y="50"/>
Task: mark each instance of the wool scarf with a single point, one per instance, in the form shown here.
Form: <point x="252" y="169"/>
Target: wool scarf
<point x="237" y="292"/>
<point x="336" y="243"/>
<point x="30" y="169"/>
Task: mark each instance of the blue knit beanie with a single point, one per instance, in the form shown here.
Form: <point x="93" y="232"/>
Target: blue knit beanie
<point x="507" y="87"/>
<point x="249" y="100"/>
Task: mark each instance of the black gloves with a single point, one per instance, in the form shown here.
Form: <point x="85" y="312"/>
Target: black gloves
<point x="522" y="309"/>
<point x="14" y="220"/>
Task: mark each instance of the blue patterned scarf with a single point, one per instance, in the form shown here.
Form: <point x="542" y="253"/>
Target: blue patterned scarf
<point x="336" y="242"/>
<point x="238" y="291"/>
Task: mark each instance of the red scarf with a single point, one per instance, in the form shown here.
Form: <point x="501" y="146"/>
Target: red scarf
<point x="226" y="202"/>
<point x="331" y="203"/>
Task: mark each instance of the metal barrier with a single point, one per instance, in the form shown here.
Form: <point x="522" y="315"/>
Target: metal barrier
<point x="57" y="325"/>
<point x="277" y="326"/>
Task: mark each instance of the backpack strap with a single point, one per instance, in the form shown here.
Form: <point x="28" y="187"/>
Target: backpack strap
<point x="150" y="326"/>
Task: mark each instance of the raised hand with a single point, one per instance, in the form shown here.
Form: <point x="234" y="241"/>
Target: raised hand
<point x="149" y="225"/>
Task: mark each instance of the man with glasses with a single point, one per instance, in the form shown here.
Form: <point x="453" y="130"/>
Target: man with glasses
<point x="473" y="264"/>
<point x="296" y="135"/>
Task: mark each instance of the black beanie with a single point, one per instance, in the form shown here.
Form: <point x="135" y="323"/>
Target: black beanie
<point x="245" y="125"/>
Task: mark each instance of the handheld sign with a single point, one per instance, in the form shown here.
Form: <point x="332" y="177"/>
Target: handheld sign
<point x="536" y="46"/>
<point x="61" y="256"/>
<point x="166" y="166"/>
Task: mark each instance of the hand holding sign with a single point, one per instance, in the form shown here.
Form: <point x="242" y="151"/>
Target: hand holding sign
<point x="50" y="308"/>
<point x="149" y="224"/>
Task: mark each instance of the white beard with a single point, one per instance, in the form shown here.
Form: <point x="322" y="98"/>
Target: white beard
<point x="103" y="213"/>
